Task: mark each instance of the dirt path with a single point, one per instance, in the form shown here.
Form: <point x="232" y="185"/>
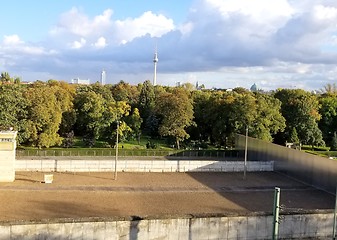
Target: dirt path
<point x="83" y="195"/>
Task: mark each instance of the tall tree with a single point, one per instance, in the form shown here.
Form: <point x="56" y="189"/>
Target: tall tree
<point x="328" y="111"/>
<point x="268" y="120"/>
<point x="44" y="115"/>
<point x="6" y="78"/>
<point x="125" y="92"/>
<point x="134" y="121"/>
<point x="90" y="108"/>
<point x="301" y="110"/>
<point x="176" y="110"/>
<point x="13" y="109"/>
<point x="65" y="94"/>
<point x="329" y="89"/>
<point x="233" y="112"/>
<point x="203" y="116"/>
<point x="146" y="100"/>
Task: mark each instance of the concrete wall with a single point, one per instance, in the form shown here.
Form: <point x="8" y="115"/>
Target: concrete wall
<point x="314" y="170"/>
<point x="7" y="156"/>
<point x="79" y="165"/>
<point x="315" y="226"/>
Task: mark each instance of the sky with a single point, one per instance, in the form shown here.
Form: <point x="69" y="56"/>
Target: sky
<point x="218" y="43"/>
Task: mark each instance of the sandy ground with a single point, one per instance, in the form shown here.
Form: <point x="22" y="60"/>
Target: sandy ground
<point x="144" y="195"/>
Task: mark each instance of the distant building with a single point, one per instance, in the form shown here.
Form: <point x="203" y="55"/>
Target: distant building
<point x="80" y="81"/>
<point x="103" y="77"/>
<point x="253" y="88"/>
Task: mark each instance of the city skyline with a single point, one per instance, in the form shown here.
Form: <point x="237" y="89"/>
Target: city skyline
<point x="218" y="43"/>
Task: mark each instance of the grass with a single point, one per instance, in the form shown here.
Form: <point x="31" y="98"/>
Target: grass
<point x="127" y="148"/>
<point x="130" y="144"/>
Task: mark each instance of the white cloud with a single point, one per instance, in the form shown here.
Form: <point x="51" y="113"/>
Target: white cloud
<point x="12" y="40"/>
<point x="74" y="24"/>
<point x="258" y="9"/>
<point x="78" y="44"/>
<point x="147" y="23"/>
<point x="325" y="13"/>
<point x="12" y="44"/>
<point x="222" y="43"/>
<point x="100" y="43"/>
<point x="77" y="23"/>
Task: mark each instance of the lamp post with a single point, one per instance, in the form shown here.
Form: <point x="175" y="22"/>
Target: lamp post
<point x="334" y="218"/>
<point x="246" y="150"/>
<point x="276" y="212"/>
<point x="116" y="158"/>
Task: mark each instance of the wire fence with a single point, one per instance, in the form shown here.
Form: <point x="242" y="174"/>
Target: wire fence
<point x="126" y="153"/>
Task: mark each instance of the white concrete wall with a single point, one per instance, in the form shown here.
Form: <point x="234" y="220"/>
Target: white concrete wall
<point x="314" y="226"/>
<point x="140" y="165"/>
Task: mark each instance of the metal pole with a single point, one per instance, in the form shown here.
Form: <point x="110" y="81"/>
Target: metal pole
<point x="116" y="158"/>
<point x="276" y="211"/>
<point x="246" y="150"/>
<point x="334" y="218"/>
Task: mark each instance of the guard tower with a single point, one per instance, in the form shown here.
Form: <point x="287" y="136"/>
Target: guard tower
<point x="7" y="155"/>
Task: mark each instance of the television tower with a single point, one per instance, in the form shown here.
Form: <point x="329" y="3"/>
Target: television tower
<point x="155" y="61"/>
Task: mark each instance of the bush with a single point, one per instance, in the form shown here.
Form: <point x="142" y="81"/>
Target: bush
<point x="151" y="145"/>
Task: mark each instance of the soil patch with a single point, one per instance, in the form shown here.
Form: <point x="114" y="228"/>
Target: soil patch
<point x="97" y="195"/>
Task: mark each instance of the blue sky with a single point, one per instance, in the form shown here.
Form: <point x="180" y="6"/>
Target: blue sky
<point x="219" y="43"/>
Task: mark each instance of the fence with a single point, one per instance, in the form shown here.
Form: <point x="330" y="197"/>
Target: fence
<point x="125" y="153"/>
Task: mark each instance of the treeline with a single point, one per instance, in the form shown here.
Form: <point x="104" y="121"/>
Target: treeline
<point x="51" y="113"/>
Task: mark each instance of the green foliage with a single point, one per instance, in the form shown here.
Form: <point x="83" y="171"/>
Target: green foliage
<point x="232" y="112"/>
<point x="328" y="111"/>
<point x="68" y="140"/>
<point x="6" y="78"/>
<point x="146" y="103"/>
<point x="334" y="142"/>
<point x="45" y="110"/>
<point x="151" y="145"/>
<point x="301" y="110"/>
<point x="176" y="110"/>
<point x="134" y="121"/>
<point x="57" y="113"/>
<point x="293" y="136"/>
<point x="13" y="109"/>
<point x="125" y="92"/>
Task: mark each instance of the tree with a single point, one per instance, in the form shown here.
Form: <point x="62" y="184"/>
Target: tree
<point x="328" y="111"/>
<point x="134" y="121"/>
<point x="65" y="94"/>
<point x="176" y="110"/>
<point x="125" y="92"/>
<point x="268" y="120"/>
<point x="44" y="115"/>
<point x="203" y="116"/>
<point x="90" y="108"/>
<point x="334" y="142"/>
<point x="6" y="78"/>
<point x="17" y="80"/>
<point x="116" y="112"/>
<point x="301" y="110"/>
<point x="232" y="112"/>
<point x="293" y="136"/>
<point x="13" y="110"/>
<point x="329" y="89"/>
<point x="146" y="101"/>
